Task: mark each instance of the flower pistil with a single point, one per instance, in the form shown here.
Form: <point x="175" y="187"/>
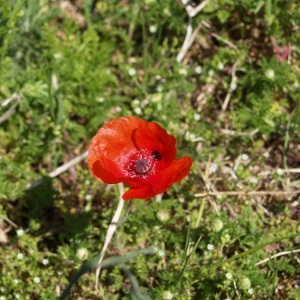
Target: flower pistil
<point x="142" y="163"/>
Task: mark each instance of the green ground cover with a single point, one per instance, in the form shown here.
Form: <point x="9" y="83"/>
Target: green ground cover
<point x="230" y="230"/>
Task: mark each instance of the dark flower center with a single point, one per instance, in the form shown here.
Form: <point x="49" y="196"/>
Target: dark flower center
<point x="142" y="166"/>
<point x="143" y="163"/>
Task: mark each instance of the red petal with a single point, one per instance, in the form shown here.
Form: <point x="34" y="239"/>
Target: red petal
<point x="109" y="148"/>
<point x="178" y="170"/>
<point x="159" y="182"/>
<point x="138" y="193"/>
<point x="114" y="137"/>
<point x="153" y="137"/>
<point x="101" y="172"/>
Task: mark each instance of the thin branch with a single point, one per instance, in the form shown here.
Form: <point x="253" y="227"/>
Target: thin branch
<point x="68" y="165"/>
<point x="230" y="171"/>
<point x="245" y="193"/>
<point x="231" y="210"/>
<point x="260" y="206"/>
<point x="231" y="87"/>
<point x="277" y="255"/>
<point x="190" y="34"/>
<point x="218" y="37"/>
<point x="296" y="171"/>
<point x="236" y="290"/>
<point x="13" y="97"/>
<point x="110" y="231"/>
<point x="65" y="167"/>
<point x="186" y="44"/>
<point x="235" y="133"/>
<point x="10" y="99"/>
<point x="8" y="221"/>
<point x="11" y="110"/>
<point x="194" y="34"/>
<point x="188" y="7"/>
<point x="193" y="11"/>
<point x="198" y="8"/>
<point x="207" y="180"/>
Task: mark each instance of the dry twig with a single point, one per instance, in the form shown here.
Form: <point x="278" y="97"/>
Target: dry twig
<point x="11" y="110"/>
<point x="218" y="37"/>
<point x="236" y="290"/>
<point x="8" y="221"/>
<point x="232" y="86"/>
<point x="236" y="133"/>
<point x="65" y="167"/>
<point x="186" y="44"/>
<point x="193" y="11"/>
<point x="231" y="210"/>
<point x="277" y="255"/>
<point x="68" y="165"/>
<point x="210" y="186"/>
<point x="295" y="171"/>
<point x="190" y="34"/>
<point x="246" y="193"/>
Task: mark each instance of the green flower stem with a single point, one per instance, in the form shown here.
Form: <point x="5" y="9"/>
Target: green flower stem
<point x="110" y="231"/>
<point x="92" y="264"/>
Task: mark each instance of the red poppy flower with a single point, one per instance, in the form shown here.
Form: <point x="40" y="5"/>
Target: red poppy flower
<point x="138" y="153"/>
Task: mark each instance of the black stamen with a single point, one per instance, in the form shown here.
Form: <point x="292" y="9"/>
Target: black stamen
<point x="156" y="155"/>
